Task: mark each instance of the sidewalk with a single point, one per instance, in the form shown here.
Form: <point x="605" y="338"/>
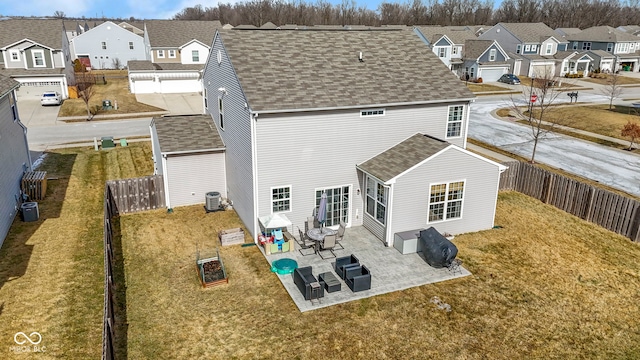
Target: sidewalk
<point x="113" y="116"/>
<point x="489" y="153"/>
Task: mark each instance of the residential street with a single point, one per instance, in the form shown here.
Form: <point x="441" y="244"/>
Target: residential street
<point x="616" y="168"/>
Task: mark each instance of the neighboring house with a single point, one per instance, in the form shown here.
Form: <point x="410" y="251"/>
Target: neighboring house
<point x="36" y="53"/>
<point x="14" y="154"/>
<point x="134" y="27"/>
<point x="180" y="47"/>
<point x="189" y="153"/>
<point x="602" y="60"/>
<point x="108" y="46"/>
<point x="534" y="45"/>
<point x="630" y="29"/>
<point x="446" y="42"/>
<point x="625" y="47"/>
<point x="485" y="59"/>
<point x="564" y="32"/>
<point x="371" y="118"/>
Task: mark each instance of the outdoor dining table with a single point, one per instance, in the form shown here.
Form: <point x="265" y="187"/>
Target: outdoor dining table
<point x="318" y="234"/>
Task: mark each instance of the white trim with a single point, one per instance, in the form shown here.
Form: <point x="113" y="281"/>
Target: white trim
<point x="11" y="53"/>
<point x="254" y="160"/>
<point x="194" y="41"/>
<point x="446" y="200"/>
<point x="166" y="182"/>
<point x="169" y="53"/>
<point x="461" y="121"/>
<point x="388" y="236"/>
<point x="290" y="198"/>
<point x="33" y="43"/>
<point x="375" y="199"/>
<point x="195" y="52"/>
<point x="221" y="112"/>
<point x="351" y="195"/>
<point x="33" y="57"/>
<point x="160" y="51"/>
<point x="492" y="54"/>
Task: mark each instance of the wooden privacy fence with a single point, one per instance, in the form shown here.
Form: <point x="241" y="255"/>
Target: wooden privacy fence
<point x="122" y="196"/>
<point x="139" y="194"/>
<point x="602" y="207"/>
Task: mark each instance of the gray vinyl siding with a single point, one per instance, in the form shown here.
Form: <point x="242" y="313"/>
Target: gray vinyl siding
<point x="13" y="154"/>
<point x="443" y="42"/>
<point x="411" y="193"/>
<point x="594" y="46"/>
<point x="47" y="57"/>
<point x="236" y="134"/>
<point x="157" y="156"/>
<point x="484" y="59"/>
<point x="321" y="149"/>
<point x="507" y="41"/>
<point x="117" y="40"/>
<point x="189" y="177"/>
<point x="374" y="227"/>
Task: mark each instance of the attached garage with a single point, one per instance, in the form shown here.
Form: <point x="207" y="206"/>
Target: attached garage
<point x="542" y="70"/>
<point x="493" y="73"/>
<point x="146" y="77"/>
<point x="31" y="87"/>
<point x="189" y="153"/>
<point x="606" y="65"/>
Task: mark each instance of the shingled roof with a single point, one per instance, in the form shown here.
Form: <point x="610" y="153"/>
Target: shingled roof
<point x="191" y="133"/>
<point x="175" y="33"/>
<point x="456" y="34"/>
<point x="146" y="65"/>
<point x="398" y="159"/>
<point x="295" y="70"/>
<point x="475" y="47"/>
<point x="531" y="32"/>
<point x="45" y="32"/>
<point x="603" y="34"/>
<point x="7" y="84"/>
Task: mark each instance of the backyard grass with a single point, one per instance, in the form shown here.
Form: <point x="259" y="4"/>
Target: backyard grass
<point x="604" y="80"/>
<point x="545" y="285"/>
<point x="52" y="270"/>
<point x="116" y="89"/>
<point x="485" y="87"/>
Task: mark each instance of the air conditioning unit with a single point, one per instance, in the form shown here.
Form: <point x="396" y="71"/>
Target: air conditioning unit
<point x="212" y="201"/>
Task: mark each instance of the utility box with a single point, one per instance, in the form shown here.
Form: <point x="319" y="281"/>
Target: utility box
<point x="30" y="211"/>
<point x="107" y="142"/>
<point x="107" y="105"/>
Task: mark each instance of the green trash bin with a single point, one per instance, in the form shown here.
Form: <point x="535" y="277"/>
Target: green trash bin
<point x="107" y="105"/>
<point x="107" y="142"/>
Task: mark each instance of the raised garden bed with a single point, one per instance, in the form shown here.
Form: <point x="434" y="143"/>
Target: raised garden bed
<point x="231" y="236"/>
<point x="211" y="271"/>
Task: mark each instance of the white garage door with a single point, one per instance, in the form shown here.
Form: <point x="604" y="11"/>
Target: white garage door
<point x="144" y="87"/>
<point x="177" y="86"/>
<point x="541" y="71"/>
<point x="492" y="74"/>
<point x="34" y="89"/>
<point x="606" y="65"/>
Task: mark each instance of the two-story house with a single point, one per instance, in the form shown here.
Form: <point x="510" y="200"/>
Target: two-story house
<point x="176" y="53"/>
<point x="533" y="47"/>
<point x="485" y="59"/>
<point x="446" y="42"/>
<point x="35" y="53"/>
<point x="14" y="154"/>
<point x="108" y="46"/>
<point x="372" y="119"/>
<point x="623" y="46"/>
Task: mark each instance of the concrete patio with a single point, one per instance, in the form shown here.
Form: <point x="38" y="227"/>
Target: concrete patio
<point x="390" y="270"/>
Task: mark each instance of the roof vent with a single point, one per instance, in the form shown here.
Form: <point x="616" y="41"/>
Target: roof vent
<point x="360" y="57"/>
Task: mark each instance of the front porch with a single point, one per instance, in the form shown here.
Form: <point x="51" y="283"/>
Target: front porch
<point x="390" y="270"/>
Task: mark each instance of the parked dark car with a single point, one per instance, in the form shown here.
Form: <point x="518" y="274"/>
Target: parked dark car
<point x="509" y="79"/>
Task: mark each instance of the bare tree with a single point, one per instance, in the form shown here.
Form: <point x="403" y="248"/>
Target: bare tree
<point x="613" y="89"/>
<point x="86" y="83"/>
<point x="632" y="131"/>
<point x="59" y="14"/>
<point x="117" y="64"/>
<point x="540" y="96"/>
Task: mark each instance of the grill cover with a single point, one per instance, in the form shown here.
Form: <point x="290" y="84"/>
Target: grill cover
<point x="437" y="250"/>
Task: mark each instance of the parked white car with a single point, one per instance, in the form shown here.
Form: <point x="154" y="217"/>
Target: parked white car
<point x="51" y="98"/>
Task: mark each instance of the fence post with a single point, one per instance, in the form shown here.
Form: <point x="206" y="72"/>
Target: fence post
<point x="546" y="187"/>
<point x="634" y="233"/>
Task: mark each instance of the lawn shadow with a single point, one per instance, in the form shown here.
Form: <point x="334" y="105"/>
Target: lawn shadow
<point x="121" y="326"/>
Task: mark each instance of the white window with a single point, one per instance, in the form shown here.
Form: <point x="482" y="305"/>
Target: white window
<point x="38" y="58"/>
<point x="518" y="49"/>
<point x="575" y="45"/>
<point x="454" y="121"/>
<point x="442" y="52"/>
<point x="172" y="54"/>
<point x="527" y="48"/>
<point x="445" y="201"/>
<point x="206" y="100"/>
<point x="549" y="48"/>
<point x="160" y="54"/>
<point x="623" y="47"/>
<point x="377" y="195"/>
<point x="130" y="45"/>
<point x="221" y="112"/>
<point x="15" y="55"/>
<point x="14" y="109"/>
<point x="372" y="112"/>
<point x="454" y="50"/>
<point x="632" y="47"/>
<point x="104" y="45"/>
<point x="586" y="45"/>
<point x="492" y="55"/>
<point x="534" y="47"/>
<point x="338" y="199"/>
<point x="195" y="55"/>
<point x="609" y="47"/>
<point x="281" y="199"/>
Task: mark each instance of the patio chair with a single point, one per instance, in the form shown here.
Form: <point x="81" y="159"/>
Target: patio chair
<point x="306" y="243"/>
<point x="340" y="234"/>
<point x="328" y="243"/>
<point x="310" y="224"/>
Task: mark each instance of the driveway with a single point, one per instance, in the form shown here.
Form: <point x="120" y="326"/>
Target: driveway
<point x="176" y="104"/>
<point x="616" y="168"/>
<point x="32" y="114"/>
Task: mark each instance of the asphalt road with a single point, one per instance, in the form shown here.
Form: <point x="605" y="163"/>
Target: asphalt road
<point x="616" y="168"/>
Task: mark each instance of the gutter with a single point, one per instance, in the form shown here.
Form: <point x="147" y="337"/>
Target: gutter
<point x="165" y="154"/>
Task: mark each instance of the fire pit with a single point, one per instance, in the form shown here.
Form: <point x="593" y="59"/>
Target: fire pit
<point x="211" y="271"/>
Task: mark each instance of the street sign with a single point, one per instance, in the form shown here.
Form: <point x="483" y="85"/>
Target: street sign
<point x="534" y="98"/>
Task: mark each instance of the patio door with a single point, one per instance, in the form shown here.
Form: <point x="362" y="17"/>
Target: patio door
<point x="338" y="204"/>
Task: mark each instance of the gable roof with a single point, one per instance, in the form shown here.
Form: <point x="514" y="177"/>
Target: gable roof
<point x="7" y="84"/>
<point x="108" y="25"/>
<point x="403" y="156"/>
<point x="457" y="35"/>
<point x="175" y="33"/>
<point x="474" y="48"/>
<point x="531" y="32"/>
<point x="602" y="54"/>
<point x="189" y="133"/>
<point x="567" y="31"/>
<point x="603" y="34"/>
<point x="44" y="32"/>
<point x="305" y="70"/>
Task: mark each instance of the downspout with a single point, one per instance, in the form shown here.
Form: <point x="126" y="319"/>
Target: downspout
<point x="166" y="183"/>
<point x="466" y="127"/>
<point x="388" y="235"/>
<point x="254" y="156"/>
<point x="24" y="130"/>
